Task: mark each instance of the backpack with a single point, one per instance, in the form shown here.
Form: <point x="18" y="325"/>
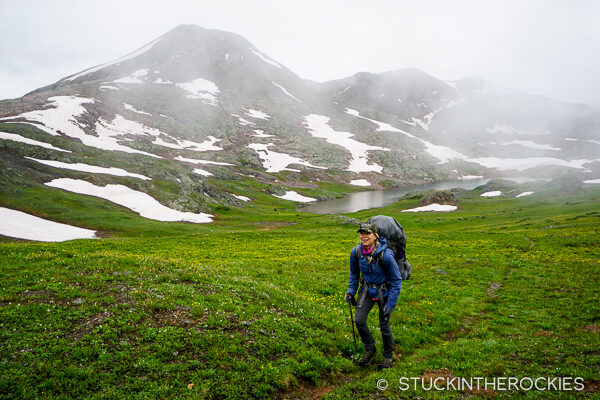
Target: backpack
<point x="393" y="233"/>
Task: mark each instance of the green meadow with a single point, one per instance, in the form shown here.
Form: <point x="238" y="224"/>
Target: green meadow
<point x="252" y="305"/>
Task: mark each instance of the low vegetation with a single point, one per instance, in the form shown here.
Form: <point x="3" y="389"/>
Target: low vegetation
<point x="251" y="306"/>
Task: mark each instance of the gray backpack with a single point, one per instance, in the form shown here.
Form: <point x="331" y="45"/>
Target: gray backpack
<point x="393" y="233"/>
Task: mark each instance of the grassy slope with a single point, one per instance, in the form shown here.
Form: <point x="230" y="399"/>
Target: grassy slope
<point x="251" y="305"/>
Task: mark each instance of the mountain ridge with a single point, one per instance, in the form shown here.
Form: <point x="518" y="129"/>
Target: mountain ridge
<point x="200" y="94"/>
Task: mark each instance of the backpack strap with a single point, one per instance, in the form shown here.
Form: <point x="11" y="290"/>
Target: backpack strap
<point x="382" y="265"/>
<point x="356" y="250"/>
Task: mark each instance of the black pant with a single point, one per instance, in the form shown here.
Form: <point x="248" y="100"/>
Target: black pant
<point x="360" y="319"/>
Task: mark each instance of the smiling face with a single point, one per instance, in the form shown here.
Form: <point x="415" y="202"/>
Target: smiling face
<point x="367" y="239"/>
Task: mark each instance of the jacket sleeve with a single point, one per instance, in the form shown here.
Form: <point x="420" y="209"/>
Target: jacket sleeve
<point x="354" y="273"/>
<point x="395" y="279"/>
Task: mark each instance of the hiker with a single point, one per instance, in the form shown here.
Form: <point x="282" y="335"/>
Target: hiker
<point x="380" y="284"/>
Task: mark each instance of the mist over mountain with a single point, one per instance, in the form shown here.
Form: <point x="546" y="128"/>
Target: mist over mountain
<point x="196" y="97"/>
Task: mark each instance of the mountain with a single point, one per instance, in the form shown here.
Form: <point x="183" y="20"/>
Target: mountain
<point x="196" y="108"/>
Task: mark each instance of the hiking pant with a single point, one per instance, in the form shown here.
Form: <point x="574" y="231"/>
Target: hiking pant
<point x="360" y="319"/>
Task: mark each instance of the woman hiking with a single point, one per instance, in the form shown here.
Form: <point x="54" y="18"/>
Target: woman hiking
<point x="380" y="284"/>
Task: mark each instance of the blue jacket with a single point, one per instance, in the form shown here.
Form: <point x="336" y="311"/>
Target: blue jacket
<point x="374" y="274"/>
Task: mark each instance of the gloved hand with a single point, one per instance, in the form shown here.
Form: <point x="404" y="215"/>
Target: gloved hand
<point x="350" y="299"/>
<point x="386" y="313"/>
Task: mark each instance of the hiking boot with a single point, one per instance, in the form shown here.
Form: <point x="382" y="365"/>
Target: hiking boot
<point x="386" y="363"/>
<point x="366" y="358"/>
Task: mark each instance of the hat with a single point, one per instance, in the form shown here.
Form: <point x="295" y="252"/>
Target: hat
<point x="367" y="227"/>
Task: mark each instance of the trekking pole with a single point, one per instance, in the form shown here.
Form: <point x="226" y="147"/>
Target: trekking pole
<point x="353" y="333"/>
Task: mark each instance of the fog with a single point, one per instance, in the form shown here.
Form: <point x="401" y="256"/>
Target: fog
<point x="540" y="47"/>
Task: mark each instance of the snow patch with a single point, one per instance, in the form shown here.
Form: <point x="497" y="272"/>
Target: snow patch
<point x="122" y="126"/>
<point x="360" y="182"/>
<point x="242" y="198"/>
<point x="469" y="177"/>
<point x="243" y="121"/>
<point x="494" y="193"/>
<point x="381" y="126"/>
<point x="59" y="116"/>
<point x="265" y="58"/>
<point x="108" y="87"/>
<point x="141" y="203"/>
<point x="433" y="207"/>
<point x="524" y="194"/>
<point x="202" y="172"/>
<point x="129" y="107"/>
<point x="277" y="162"/>
<point x="257" y="114"/>
<point x="294" y="196"/>
<point x="21" y="139"/>
<point x="318" y="126"/>
<point x="442" y="153"/>
<point x="202" y="89"/>
<point x="286" y="92"/>
<point x="89" y="168"/>
<point x="160" y="81"/>
<point x="21" y="225"/>
<point x="62" y="118"/>
<point x="592" y="181"/>
<point x="260" y="134"/>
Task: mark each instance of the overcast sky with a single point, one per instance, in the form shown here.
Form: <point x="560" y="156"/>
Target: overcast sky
<point x="546" y="47"/>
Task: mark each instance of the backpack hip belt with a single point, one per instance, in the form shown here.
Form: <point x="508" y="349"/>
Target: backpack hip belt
<point x="365" y="289"/>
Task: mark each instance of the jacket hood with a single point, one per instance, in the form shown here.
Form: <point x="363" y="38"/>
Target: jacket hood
<point x="382" y="246"/>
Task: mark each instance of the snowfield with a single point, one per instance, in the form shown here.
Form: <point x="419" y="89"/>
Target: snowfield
<point x="122" y="126"/>
<point x="257" y="114"/>
<point x="318" y="126"/>
<point x="524" y="194"/>
<point x="286" y="92"/>
<point x="445" y="154"/>
<point x="442" y="153"/>
<point x="60" y="115"/>
<point x="89" y="168"/>
<point x="202" y="89"/>
<point x="141" y="203"/>
<point x="433" y="207"/>
<point x="294" y="196"/>
<point x="261" y="134"/>
<point x="202" y="172"/>
<point x="277" y="162"/>
<point x="494" y="193"/>
<point x="242" y="198"/>
<point x="21" y="139"/>
<point x="129" y="107"/>
<point x="21" y="225"/>
<point x="360" y="182"/>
